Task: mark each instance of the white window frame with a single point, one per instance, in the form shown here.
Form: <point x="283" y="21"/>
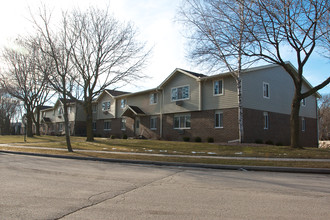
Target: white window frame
<point x="107" y="128"/>
<point x="123" y="103"/>
<point x="153" y="123"/>
<point x="123" y="124"/>
<point x="266" y="120"/>
<point x="105" y="106"/>
<point x="186" y="119"/>
<point x="177" y="88"/>
<point x="266" y="85"/>
<point x="153" y="98"/>
<point x="303" y="124"/>
<point x="303" y="102"/>
<point x="222" y="87"/>
<point x="220" y="118"/>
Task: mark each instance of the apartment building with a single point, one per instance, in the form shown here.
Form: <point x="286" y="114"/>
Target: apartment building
<point x="52" y="120"/>
<point x="188" y="104"/>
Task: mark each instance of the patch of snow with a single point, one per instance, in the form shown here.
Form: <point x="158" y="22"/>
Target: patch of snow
<point x="104" y="148"/>
<point x="239" y="153"/>
<point x="114" y="148"/>
<point x="211" y="153"/>
<point x="193" y="152"/>
<point x="163" y="151"/>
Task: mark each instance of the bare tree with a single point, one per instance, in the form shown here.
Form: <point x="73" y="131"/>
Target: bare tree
<point x="298" y="25"/>
<point x="105" y="52"/>
<point x="9" y="107"/>
<point x="218" y="38"/>
<point x="56" y="50"/>
<point x="324" y="114"/>
<point x="22" y="80"/>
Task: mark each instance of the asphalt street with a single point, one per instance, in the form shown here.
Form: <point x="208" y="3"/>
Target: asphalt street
<point x="51" y="188"/>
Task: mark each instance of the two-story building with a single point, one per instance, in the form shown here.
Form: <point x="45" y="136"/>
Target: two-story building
<point x="188" y="104"/>
<point x="52" y="120"/>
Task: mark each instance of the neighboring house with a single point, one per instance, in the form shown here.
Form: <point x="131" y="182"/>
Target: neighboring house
<point x="187" y="104"/>
<point x="52" y="120"/>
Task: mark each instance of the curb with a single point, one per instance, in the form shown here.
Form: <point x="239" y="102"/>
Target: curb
<point x="188" y="165"/>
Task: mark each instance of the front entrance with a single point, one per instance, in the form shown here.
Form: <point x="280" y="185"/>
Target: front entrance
<point x="137" y="126"/>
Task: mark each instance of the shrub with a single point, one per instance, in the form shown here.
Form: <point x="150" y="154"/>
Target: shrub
<point x="186" y="139"/>
<point x="259" y="141"/>
<point x="113" y="137"/>
<point x="198" y="139"/>
<point x="269" y="142"/>
<point x="124" y="136"/>
<point x="210" y="139"/>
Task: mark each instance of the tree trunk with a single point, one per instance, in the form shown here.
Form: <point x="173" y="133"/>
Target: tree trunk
<point x="89" y="120"/>
<point x="37" y="123"/>
<point x="66" y="127"/>
<point x="240" y="111"/>
<point x="294" y="121"/>
<point x="29" y="122"/>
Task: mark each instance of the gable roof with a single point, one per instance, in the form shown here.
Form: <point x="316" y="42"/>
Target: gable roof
<point x="194" y="75"/>
<point x="132" y="111"/>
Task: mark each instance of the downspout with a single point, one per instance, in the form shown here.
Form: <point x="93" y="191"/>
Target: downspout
<point x="200" y="94"/>
<point x="161" y="114"/>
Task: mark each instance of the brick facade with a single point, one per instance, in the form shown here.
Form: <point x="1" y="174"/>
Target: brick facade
<point x="203" y="126"/>
<point x="278" y="131"/>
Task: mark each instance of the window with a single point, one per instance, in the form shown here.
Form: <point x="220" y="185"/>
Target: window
<point x="94" y="108"/>
<point x="60" y="127"/>
<point x="266" y="120"/>
<point x="219" y="119"/>
<point x="181" y="121"/>
<point x="60" y="111"/>
<point x="107" y="125"/>
<point x="153" y="123"/>
<point x="266" y="91"/>
<point x="303" y="102"/>
<point x="94" y="126"/>
<point x="123" y="103"/>
<point x="303" y="124"/>
<point x="105" y="106"/>
<point x="218" y="87"/>
<point x="123" y="124"/>
<point x="69" y="109"/>
<point x="180" y="93"/>
<point x="153" y="98"/>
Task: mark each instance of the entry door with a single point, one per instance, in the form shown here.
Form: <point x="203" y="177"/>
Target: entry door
<point x="137" y="126"/>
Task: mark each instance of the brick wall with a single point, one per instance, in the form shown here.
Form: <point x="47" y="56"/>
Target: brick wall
<point x="203" y="125"/>
<point x="279" y="128"/>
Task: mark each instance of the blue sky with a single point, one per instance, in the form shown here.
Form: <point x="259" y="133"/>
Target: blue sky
<point x="155" y="22"/>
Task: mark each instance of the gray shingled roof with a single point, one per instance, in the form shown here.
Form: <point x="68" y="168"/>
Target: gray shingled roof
<point x="116" y="92"/>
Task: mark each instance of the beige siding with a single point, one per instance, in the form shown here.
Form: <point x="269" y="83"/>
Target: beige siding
<point x="106" y="114"/>
<point x="192" y="104"/>
<point x="281" y="92"/>
<point x="142" y="101"/>
<point x="79" y="111"/>
<point x="227" y="100"/>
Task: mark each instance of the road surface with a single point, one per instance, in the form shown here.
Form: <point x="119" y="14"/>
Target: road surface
<point x="49" y="188"/>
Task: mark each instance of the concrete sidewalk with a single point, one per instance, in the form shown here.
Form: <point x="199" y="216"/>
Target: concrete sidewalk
<point x="178" y="164"/>
<point x="173" y="155"/>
